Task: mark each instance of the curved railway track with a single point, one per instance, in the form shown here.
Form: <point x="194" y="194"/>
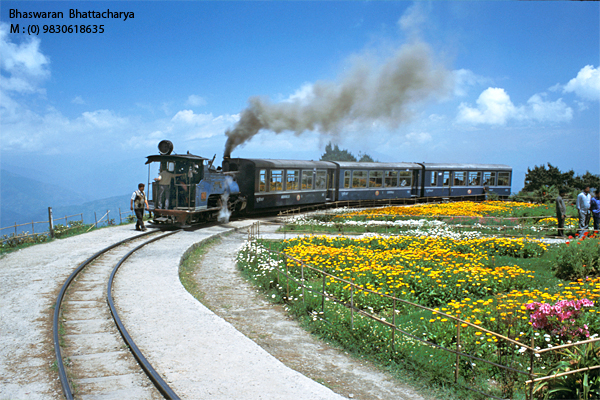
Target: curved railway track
<point x="100" y="358"/>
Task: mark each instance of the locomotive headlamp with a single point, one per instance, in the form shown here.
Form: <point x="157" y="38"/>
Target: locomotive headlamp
<point x="165" y="147"/>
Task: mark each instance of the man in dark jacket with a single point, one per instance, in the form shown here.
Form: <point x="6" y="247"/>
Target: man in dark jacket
<point x="561" y="213"/>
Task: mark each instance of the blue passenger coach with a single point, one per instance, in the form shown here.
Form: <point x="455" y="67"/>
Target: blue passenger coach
<point x="455" y="180"/>
<point x="276" y="184"/>
<point x="376" y="181"/>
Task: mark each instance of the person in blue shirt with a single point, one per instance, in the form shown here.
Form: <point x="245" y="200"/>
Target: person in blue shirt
<point x="595" y="209"/>
<point x="583" y="206"/>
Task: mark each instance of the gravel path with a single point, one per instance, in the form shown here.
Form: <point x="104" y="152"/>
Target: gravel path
<point x="231" y="297"/>
<point x="197" y="352"/>
<point x="31" y="279"/>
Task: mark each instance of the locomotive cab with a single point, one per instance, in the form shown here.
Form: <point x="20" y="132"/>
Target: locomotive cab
<point x="187" y="189"/>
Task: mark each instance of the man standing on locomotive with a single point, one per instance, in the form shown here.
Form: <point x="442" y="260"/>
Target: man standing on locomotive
<point x="164" y="180"/>
<point x="138" y="199"/>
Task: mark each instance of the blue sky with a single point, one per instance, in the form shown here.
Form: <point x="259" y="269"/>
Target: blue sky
<point x="521" y="84"/>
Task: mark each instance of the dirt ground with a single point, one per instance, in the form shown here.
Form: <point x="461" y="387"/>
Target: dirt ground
<point x="230" y="296"/>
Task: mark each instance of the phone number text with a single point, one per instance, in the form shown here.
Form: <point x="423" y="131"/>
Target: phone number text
<point x="37" y="29"/>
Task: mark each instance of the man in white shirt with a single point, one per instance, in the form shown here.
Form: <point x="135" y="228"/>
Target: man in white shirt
<point x="583" y="206"/>
<point x="138" y="199"/>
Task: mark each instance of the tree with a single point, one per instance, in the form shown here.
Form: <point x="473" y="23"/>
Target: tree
<point x="333" y="153"/>
<point x="588" y="179"/>
<point x="365" y="157"/>
<point x="540" y="178"/>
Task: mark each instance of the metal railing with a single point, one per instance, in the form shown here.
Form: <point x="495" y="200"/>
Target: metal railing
<point x="530" y="350"/>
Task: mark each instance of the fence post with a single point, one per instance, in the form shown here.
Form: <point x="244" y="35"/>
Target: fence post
<point x="287" y="277"/>
<point x="457" y="351"/>
<point x="302" y="275"/>
<point x="15" y="229"/>
<point x="108" y="217"/>
<point x="32" y="227"/>
<point x="50" y="222"/>
<point x="352" y="306"/>
<point x="120" y="217"/>
<point x="394" y="328"/>
<point x="95" y="220"/>
<point x="323" y="297"/>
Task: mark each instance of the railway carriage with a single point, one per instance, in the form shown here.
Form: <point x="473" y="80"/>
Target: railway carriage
<point x="276" y="184"/>
<point x="462" y="180"/>
<point x="377" y="181"/>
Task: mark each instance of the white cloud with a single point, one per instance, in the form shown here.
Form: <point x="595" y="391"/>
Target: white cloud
<point x="196" y="101"/>
<point x="413" y="19"/>
<point x="23" y="63"/>
<point x="78" y="100"/>
<point x="586" y="84"/>
<point x="494" y="107"/>
<point x="464" y="78"/>
<point x="419" y="137"/>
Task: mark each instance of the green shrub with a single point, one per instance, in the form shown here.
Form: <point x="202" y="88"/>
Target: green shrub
<point x="577" y="259"/>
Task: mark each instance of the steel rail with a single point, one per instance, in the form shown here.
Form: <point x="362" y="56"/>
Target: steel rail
<point x="154" y="376"/>
<point x="64" y="381"/>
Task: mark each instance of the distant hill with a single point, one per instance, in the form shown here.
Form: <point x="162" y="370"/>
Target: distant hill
<point x="23" y="200"/>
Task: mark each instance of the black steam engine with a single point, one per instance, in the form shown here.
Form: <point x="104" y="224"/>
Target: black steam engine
<point x="189" y="189"/>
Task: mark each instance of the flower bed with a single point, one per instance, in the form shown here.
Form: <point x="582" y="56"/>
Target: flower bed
<point x="457" y="277"/>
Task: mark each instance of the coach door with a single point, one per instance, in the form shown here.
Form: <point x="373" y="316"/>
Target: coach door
<point x="330" y="185"/>
<point x="446" y="183"/>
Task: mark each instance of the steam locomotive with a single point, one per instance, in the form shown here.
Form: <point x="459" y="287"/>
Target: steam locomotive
<point x="189" y="189"/>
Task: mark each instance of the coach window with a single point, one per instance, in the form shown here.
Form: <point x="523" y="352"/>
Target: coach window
<point x="359" y="179"/>
<point x="489" y="179"/>
<point x="390" y="178"/>
<point x="292" y="179"/>
<point x="446" y="178"/>
<point x="321" y="180"/>
<point x="307" y="179"/>
<point x="262" y="180"/>
<point x="459" y="178"/>
<point x="434" y="175"/>
<point x="474" y="178"/>
<point x="503" y="178"/>
<point x="347" y="175"/>
<point x="375" y="178"/>
<point x="276" y="184"/>
<point x="405" y="178"/>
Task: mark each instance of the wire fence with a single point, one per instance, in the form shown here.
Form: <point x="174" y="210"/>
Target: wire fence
<point x="53" y="227"/>
<point x="295" y="271"/>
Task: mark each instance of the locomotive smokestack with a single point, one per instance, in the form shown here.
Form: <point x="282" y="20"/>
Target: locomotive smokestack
<point x="367" y="93"/>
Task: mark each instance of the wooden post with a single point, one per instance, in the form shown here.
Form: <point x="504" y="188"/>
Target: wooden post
<point x="287" y="276"/>
<point x="15" y="229"/>
<point x="302" y="275"/>
<point x="323" y="298"/>
<point x="456" y="371"/>
<point x="352" y="306"/>
<point x="95" y="220"/>
<point x="50" y="222"/>
<point x="120" y="217"/>
<point x="394" y="328"/>
<point x="108" y="217"/>
<point x="32" y="228"/>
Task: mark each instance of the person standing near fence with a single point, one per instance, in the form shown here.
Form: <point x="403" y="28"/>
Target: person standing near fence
<point x="595" y="208"/>
<point x="138" y="199"/>
<point x="561" y="213"/>
<point x="583" y="206"/>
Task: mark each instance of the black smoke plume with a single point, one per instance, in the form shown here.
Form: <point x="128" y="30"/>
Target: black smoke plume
<point x="366" y="94"/>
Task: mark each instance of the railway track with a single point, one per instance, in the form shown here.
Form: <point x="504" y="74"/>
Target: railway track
<point x="96" y="357"/>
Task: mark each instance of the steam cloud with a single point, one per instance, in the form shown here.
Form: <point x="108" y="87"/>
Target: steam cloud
<point x="366" y="94"/>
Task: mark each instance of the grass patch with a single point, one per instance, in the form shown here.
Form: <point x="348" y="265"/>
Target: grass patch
<point x="189" y="263"/>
